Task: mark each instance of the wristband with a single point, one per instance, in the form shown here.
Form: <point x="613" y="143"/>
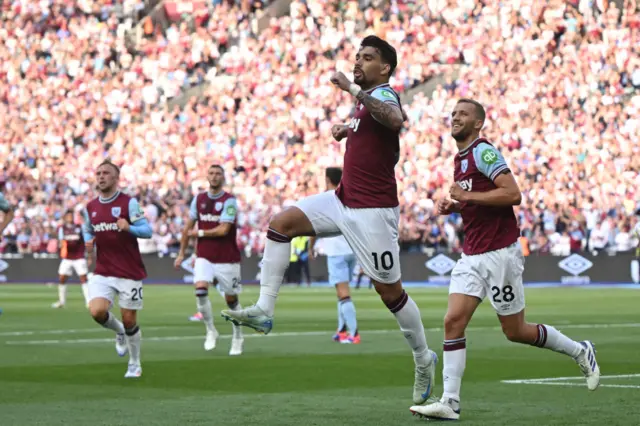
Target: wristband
<point x="354" y="89"/>
<point x="201" y="233"/>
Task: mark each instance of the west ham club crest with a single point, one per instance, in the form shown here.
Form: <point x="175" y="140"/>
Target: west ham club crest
<point x="464" y="165"/>
<point x="218" y="206"/>
<point x="115" y="211"/>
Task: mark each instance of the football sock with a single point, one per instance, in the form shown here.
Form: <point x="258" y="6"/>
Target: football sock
<point x="204" y="307"/>
<point x="549" y="337"/>
<point x="349" y="314"/>
<point x="133" y="336"/>
<point x="275" y="260"/>
<point x="85" y="292"/>
<point x="113" y="323"/>
<point x="237" y="330"/>
<point x="408" y="316"/>
<point x="341" y="324"/>
<point x="454" y="359"/>
<point x="62" y="293"/>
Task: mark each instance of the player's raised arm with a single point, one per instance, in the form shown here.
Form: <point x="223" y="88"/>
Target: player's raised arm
<point x="137" y="225"/>
<point x="7" y="209"/>
<point x="491" y="163"/>
<point x="227" y="219"/>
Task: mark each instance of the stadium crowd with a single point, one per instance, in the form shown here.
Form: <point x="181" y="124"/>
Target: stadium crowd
<point x="560" y="79"/>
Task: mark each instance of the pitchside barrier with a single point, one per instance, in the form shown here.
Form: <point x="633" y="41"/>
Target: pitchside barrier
<point x="417" y="269"/>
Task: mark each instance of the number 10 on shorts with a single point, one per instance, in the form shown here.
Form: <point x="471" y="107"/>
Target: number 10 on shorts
<point x="385" y="260"/>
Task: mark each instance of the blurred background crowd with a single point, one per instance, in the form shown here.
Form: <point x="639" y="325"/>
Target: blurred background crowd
<point x="166" y="88"/>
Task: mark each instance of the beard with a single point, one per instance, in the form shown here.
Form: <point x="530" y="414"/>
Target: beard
<point x="461" y="134"/>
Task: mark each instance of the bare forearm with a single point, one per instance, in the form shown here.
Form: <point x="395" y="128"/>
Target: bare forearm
<point x="385" y="113"/>
<point x="184" y="239"/>
<point x="499" y="197"/>
<point x="217" y="232"/>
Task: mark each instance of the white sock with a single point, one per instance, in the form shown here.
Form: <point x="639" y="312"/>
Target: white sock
<point x="275" y="260"/>
<point x="408" y="317"/>
<point x="113" y="323"/>
<point x="204" y="307"/>
<point x="454" y="359"/>
<point x="549" y="337"/>
<point x="237" y="330"/>
<point x="85" y="292"/>
<point x="134" y="341"/>
<point x="62" y="293"/>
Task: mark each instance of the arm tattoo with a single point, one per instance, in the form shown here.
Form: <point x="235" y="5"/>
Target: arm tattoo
<point x="385" y="113"/>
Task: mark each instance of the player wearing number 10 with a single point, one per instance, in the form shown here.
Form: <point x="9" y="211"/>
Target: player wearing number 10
<point x="363" y="208"/>
<point x="492" y="263"/>
<point x="113" y="222"/>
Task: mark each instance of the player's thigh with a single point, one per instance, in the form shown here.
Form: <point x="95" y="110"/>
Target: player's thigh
<point x="81" y="267"/>
<point x="65" y="268"/>
<point x="203" y="271"/>
<point x="130" y="295"/>
<point x="505" y="284"/>
<point x="228" y="277"/>
<point x="323" y="213"/>
<point x="373" y="237"/>
<point x="101" y="287"/>
<point x="338" y="267"/>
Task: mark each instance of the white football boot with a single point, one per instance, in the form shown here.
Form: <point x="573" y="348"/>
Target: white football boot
<point x="121" y="345"/>
<point x="133" y="371"/>
<point x="57" y="305"/>
<point x="588" y="364"/>
<point x="252" y="317"/>
<point x="425" y="380"/>
<point x="211" y="340"/>
<point x="446" y="409"/>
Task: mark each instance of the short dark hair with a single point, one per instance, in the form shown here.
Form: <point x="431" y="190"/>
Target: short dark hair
<point x="108" y="162"/>
<point x="387" y="52"/>
<point x="479" y="108"/>
<point x="217" y="166"/>
<point x="334" y="174"/>
<point x="67" y="212"/>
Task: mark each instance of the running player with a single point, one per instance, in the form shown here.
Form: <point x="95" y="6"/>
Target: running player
<point x="73" y="259"/>
<point x="217" y="251"/>
<point x="364" y="208"/>
<point x="7" y="211"/>
<point x="492" y="262"/>
<point x="340" y="263"/>
<point x="113" y="222"/>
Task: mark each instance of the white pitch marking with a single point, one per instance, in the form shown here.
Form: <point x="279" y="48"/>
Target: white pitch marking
<point x="565" y="381"/>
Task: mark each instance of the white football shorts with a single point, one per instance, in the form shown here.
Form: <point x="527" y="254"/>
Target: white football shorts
<point x="496" y="273"/>
<point x="371" y="233"/>
<point x="226" y="274"/>
<point x="68" y="266"/>
<point x="129" y="291"/>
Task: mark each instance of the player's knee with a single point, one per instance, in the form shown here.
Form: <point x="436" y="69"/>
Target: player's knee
<point x="454" y="325"/>
<point x="291" y="223"/>
<point x="389" y="293"/>
<point x="98" y="312"/>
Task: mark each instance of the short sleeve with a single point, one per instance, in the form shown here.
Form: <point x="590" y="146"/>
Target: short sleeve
<point x="229" y="211"/>
<point x="193" y="209"/>
<point x="135" y="211"/>
<point x="386" y="95"/>
<point x="489" y="160"/>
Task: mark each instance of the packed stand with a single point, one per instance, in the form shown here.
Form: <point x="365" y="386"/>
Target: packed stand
<point x="562" y="84"/>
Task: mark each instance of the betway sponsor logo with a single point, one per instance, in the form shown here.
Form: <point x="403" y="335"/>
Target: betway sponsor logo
<point x="104" y="226"/>
<point x="209" y="217"/>
<point x="466" y="184"/>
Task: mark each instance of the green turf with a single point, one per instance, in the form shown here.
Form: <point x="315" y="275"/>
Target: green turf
<point x="58" y="368"/>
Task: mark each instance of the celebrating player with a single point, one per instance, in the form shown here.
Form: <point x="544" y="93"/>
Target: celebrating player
<point x="492" y="263"/>
<point x="340" y="263"/>
<point x="73" y="259"/>
<point x="113" y="222"/>
<point x="218" y="255"/>
<point x="364" y="208"/>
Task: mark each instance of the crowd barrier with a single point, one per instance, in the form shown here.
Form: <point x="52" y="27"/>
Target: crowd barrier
<point x="417" y="269"/>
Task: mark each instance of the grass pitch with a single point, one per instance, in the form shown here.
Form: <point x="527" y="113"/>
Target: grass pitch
<point x="59" y="368"/>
